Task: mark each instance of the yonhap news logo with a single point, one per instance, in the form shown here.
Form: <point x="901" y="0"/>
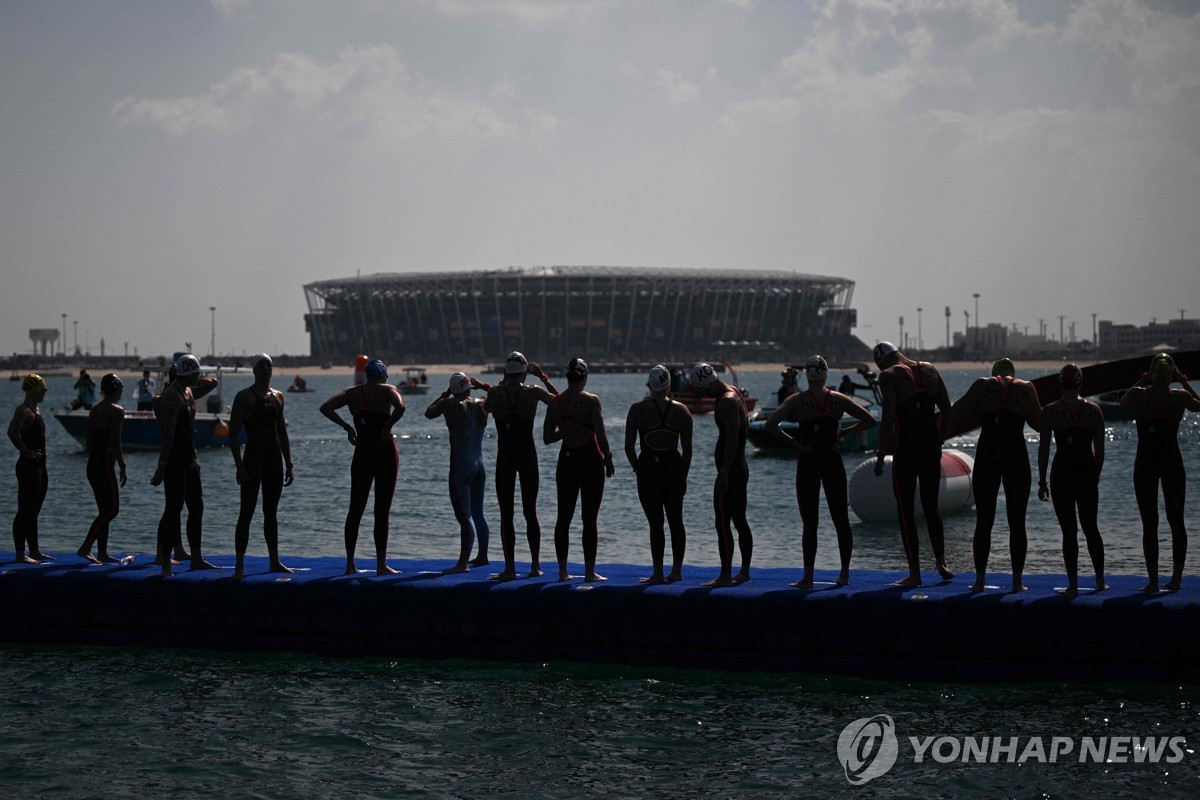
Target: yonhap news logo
<point x="867" y="748"/>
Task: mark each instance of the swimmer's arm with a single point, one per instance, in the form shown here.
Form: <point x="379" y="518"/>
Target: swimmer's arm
<point x="943" y="403"/>
<point x="865" y="420"/>
<point x="22" y="417"/>
<point x="1044" y="451"/>
<point x="783" y="414"/>
<point x="116" y="422"/>
<point x="685" y="440"/>
<point x="480" y="412"/>
<point x="543" y="395"/>
<point x="963" y="405"/>
<point x="631" y="436"/>
<point x="172" y="405"/>
<point x="728" y="421"/>
<point x="329" y="410"/>
<point x="550" y="430"/>
<point x="1034" y="418"/>
<point x="203" y="387"/>
<point x="1098" y="439"/>
<point x="1127" y="399"/>
<point x="1192" y="401"/>
<point x="601" y="436"/>
<point x="536" y="371"/>
<point x="435" y="409"/>
<point x="398" y="409"/>
<point x="887" y="393"/>
<point x="285" y="444"/>
<point x="235" y="426"/>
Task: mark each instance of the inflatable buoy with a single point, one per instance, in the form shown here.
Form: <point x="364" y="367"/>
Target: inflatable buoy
<point x="220" y="429"/>
<point x="360" y="369"/>
<point x="873" y="500"/>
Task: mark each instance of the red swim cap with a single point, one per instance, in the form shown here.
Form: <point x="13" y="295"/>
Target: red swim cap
<point x="1071" y="376"/>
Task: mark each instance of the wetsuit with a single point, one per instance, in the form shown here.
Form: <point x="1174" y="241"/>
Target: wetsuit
<point x="32" y="481"/>
<point x="661" y="485"/>
<point x="1074" y="485"/>
<point x="731" y="506"/>
<point x="516" y="454"/>
<point x="101" y="474"/>
<point x="1158" y="460"/>
<point x="1002" y="456"/>
<point x="263" y="462"/>
<point x="918" y="457"/>
<point x="181" y="485"/>
<point x="375" y="461"/>
<point x="580" y="474"/>
<point x="468" y="476"/>
<point x="822" y="467"/>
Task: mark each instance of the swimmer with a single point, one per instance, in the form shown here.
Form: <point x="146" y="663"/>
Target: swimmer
<point x="266" y="464"/>
<point x="733" y="473"/>
<point x="104" y="455"/>
<point x="584" y="462"/>
<point x="466" y="419"/>
<point x="514" y="406"/>
<point x="818" y="414"/>
<point x="911" y="430"/>
<point x="1077" y="426"/>
<point x="377" y="406"/>
<point x="664" y="427"/>
<point x="1005" y="404"/>
<point x="27" y="432"/>
<point x="1157" y="410"/>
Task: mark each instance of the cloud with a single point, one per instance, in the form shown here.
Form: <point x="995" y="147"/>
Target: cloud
<point x="677" y="90"/>
<point x="228" y="8"/>
<point x="529" y="11"/>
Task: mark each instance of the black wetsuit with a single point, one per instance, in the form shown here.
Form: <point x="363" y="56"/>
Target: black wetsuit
<point x="661" y="486"/>
<point x="516" y="454"/>
<point x="730" y="508"/>
<point x="181" y="486"/>
<point x="263" y="462"/>
<point x="1002" y="456"/>
<point x="1159" y="460"/>
<point x="1074" y="486"/>
<point x="375" y="461"/>
<point x="918" y="457"/>
<point x="580" y="474"/>
<point x="822" y="467"/>
<point x="101" y="474"/>
<point x="32" y="481"/>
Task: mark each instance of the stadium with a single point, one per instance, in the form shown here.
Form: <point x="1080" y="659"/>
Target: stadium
<point x="607" y="314"/>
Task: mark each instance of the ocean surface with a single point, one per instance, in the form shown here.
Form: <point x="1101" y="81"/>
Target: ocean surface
<point x="97" y="722"/>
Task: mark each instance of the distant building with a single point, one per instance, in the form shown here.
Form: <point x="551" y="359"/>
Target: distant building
<point x="1117" y="341"/>
<point x="604" y="313"/>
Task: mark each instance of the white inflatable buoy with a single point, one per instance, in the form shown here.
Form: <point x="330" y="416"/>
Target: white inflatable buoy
<point x="873" y="500"/>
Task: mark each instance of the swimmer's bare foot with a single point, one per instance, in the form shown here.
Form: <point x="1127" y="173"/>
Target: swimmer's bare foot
<point x="1101" y="586"/>
<point x="350" y="569"/>
<point x="1152" y="586"/>
<point x="675" y="575"/>
<point x="1070" y="591"/>
<point x="238" y="574"/>
<point x="944" y="571"/>
<point x="654" y="579"/>
<point x="720" y="580"/>
<point x="911" y="582"/>
<point x="843" y="578"/>
<point x="383" y="569"/>
<point x="1172" y="585"/>
<point x="24" y="559"/>
<point x="105" y="558"/>
<point x="41" y="557"/>
<point x="1018" y="586"/>
<point x="593" y="577"/>
<point x="88" y="555"/>
<point x="457" y="569"/>
<point x="166" y="573"/>
<point x="200" y="563"/>
<point x="158" y="562"/>
<point x="182" y="555"/>
<point x="803" y="583"/>
<point x="277" y="566"/>
<point x="977" y="586"/>
<point x="480" y="561"/>
<point x="535" y="571"/>
<point x="507" y="574"/>
<point x="742" y="576"/>
<point x="563" y="573"/>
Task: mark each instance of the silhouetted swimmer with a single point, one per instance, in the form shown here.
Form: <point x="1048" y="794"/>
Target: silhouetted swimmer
<point x="1157" y="411"/>
<point x="376" y="406"/>
<point x="104" y="455"/>
<point x="513" y="405"/>
<point x="266" y="463"/>
<point x="911" y="430"/>
<point x="664" y="426"/>
<point x="1077" y="425"/>
<point x="466" y="420"/>
<point x="584" y="463"/>
<point x="27" y="432"/>
<point x="818" y="413"/>
<point x="733" y="473"/>
<point x="1005" y="404"/>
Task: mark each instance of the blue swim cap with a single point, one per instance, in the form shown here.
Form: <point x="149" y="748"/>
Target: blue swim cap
<point x="376" y="370"/>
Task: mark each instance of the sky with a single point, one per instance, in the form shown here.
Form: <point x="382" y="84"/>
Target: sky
<point x="162" y="159"/>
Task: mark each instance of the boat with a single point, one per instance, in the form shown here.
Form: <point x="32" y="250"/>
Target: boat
<point x="856" y="442"/>
<point x="415" y="381"/>
<point x="1110" y="404"/>
<point x="298" y="386"/>
<point x="698" y="403"/>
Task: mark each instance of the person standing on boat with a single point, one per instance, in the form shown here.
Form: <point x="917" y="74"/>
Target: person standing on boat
<point x="733" y="473"/>
<point x="178" y="465"/>
<point x="267" y="462"/>
<point x="104" y="455"/>
<point x="27" y="432"/>
<point x="145" y="389"/>
<point x="817" y="414"/>
<point x="912" y="393"/>
<point x="513" y="405"/>
<point x="376" y="406"/>
<point x="664" y="426"/>
<point x="85" y="391"/>
<point x="1157" y="411"/>
<point x="466" y="419"/>
<point x="584" y="462"/>
<point x="1077" y="425"/>
<point x="1004" y="405"/>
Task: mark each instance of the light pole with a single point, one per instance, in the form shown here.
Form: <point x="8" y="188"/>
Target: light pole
<point x="75" y="327"/>
<point x="1095" y="341"/>
<point x="976" y="296"/>
<point x="947" y="331"/>
<point x="902" y="333"/>
<point x="920" y="345"/>
<point x="212" y="342"/>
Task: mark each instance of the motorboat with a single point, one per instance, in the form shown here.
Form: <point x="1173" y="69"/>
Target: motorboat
<point x="415" y="381"/>
<point x="698" y="403"/>
<point x="856" y="442"/>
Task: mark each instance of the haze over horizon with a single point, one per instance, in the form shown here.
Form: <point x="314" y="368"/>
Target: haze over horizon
<point x="162" y="159"/>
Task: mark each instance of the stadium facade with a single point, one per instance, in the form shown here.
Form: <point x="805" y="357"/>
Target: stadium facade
<point x="604" y="313"/>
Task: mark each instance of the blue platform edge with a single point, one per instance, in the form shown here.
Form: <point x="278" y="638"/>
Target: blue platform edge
<point x="941" y="631"/>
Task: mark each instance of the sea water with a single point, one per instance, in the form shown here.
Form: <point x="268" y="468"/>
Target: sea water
<point x="99" y="722"/>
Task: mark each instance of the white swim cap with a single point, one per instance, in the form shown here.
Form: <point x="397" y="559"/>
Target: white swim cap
<point x="459" y="383"/>
<point x="258" y="358"/>
<point x="660" y="378"/>
<point x="187" y="364"/>
<point x="816" y="368"/>
<point x="702" y="376"/>
<point x="516" y="364"/>
<point x="882" y="351"/>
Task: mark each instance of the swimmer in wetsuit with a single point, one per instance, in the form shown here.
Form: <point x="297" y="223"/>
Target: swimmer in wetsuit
<point x="104" y="455"/>
<point x="1157" y="411"/>
<point x="27" y="432"/>
<point x="663" y="425"/>
<point x="733" y="473"/>
<point x="267" y="462"/>
<point x="178" y="465"/>
<point x="465" y="420"/>
<point x="911" y="430"/>
<point x="1005" y="405"/>
<point x="376" y="406"/>
<point x="1077" y="425"/>
<point x="584" y="462"/>
<point x="818" y="414"/>
<point x="513" y="406"/>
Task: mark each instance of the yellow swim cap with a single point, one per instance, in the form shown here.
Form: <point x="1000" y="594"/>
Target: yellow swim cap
<point x="1005" y="366"/>
<point x="1162" y="366"/>
<point x="33" y="383"/>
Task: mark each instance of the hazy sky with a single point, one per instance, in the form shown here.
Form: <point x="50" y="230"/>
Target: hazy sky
<point x="159" y="158"/>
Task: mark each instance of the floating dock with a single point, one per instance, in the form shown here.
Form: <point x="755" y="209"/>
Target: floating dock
<point x="941" y="631"/>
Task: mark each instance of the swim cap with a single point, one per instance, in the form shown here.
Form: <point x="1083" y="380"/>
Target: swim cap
<point x="33" y="383"/>
<point x="459" y="383"/>
<point x="660" y="378"/>
<point x="577" y="368"/>
<point x="1071" y="376"/>
<point x="376" y="370"/>
<point x="816" y="368"/>
<point x="702" y="375"/>
<point x="258" y="358"/>
<point x="516" y="364"/>
<point x="882" y="351"/>
<point x="1005" y="366"/>
<point x="187" y="364"/>
<point x="1162" y="366"/>
<point x="110" y="383"/>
